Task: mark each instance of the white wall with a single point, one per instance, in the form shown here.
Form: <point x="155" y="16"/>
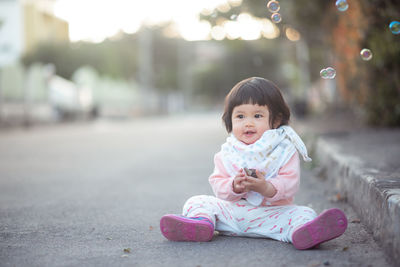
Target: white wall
<point x="11" y="31"/>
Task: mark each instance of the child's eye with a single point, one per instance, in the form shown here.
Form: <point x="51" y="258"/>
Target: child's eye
<point x="258" y="116"/>
<point x="240" y="116"/>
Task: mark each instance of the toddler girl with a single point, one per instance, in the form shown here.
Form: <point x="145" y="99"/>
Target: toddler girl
<point x="261" y="205"/>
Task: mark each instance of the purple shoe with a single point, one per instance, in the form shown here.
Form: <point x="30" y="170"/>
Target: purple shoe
<point x="180" y="228"/>
<point x="328" y="225"/>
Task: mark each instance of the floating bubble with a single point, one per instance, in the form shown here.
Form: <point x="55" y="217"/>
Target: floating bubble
<point x="342" y="5"/>
<point x="331" y="72"/>
<point x="233" y="17"/>
<point x="366" y="54"/>
<point x="394" y="27"/>
<point x="273" y="6"/>
<point x="324" y="74"/>
<point x="276" y="18"/>
<point x="328" y="73"/>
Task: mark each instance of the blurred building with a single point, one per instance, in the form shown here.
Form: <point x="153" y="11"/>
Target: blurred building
<point x="26" y="23"/>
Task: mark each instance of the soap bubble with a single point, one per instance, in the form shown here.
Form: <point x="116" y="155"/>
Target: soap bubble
<point x="276" y="18"/>
<point x="366" y="54"/>
<point x="328" y="73"/>
<point x="331" y="72"/>
<point x="342" y="5"/>
<point x="394" y="27"/>
<point x="273" y="6"/>
<point x="324" y="74"/>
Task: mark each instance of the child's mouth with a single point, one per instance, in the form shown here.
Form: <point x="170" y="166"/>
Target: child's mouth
<point x="249" y="133"/>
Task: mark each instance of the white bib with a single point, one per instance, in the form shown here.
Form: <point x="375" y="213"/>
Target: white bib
<point x="268" y="154"/>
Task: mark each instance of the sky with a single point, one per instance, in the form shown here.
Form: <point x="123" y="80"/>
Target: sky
<point x="95" y="20"/>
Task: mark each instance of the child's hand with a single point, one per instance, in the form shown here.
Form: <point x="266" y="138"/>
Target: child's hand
<point x="238" y="186"/>
<point x="259" y="185"/>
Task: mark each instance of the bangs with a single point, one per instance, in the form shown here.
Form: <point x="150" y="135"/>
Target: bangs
<point x="248" y="94"/>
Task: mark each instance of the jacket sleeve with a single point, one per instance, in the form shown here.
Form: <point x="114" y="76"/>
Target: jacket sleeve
<point x="222" y="183"/>
<point x="287" y="181"/>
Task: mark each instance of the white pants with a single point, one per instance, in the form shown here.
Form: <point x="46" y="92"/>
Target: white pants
<point x="242" y="219"/>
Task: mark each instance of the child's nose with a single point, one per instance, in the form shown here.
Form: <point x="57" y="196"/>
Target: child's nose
<point x="249" y="122"/>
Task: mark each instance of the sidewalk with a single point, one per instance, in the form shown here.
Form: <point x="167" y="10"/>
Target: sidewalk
<point x="364" y="165"/>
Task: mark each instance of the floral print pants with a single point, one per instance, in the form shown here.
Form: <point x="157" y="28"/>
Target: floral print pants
<point x="242" y="219"/>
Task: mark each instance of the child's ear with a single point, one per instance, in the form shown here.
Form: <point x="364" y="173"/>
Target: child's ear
<point x="277" y="121"/>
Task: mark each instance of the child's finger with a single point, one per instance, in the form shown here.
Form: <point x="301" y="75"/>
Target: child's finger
<point x="246" y="185"/>
<point x="259" y="174"/>
<point x="240" y="179"/>
<point x="241" y="175"/>
<point x="251" y="180"/>
<point x="240" y="186"/>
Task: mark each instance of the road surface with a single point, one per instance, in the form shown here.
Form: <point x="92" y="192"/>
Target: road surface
<point x="92" y="195"/>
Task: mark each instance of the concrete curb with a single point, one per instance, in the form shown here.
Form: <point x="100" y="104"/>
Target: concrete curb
<point x="374" y="194"/>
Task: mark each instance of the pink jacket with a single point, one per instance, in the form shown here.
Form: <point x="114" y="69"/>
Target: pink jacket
<point x="286" y="183"/>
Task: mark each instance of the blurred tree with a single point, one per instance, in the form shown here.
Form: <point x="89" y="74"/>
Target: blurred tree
<point x="328" y="38"/>
<point x="336" y="38"/>
<point x="372" y="86"/>
<point x="116" y="58"/>
<point x="308" y="17"/>
<point x="240" y="59"/>
<point x="383" y="72"/>
<point x="165" y="60"/>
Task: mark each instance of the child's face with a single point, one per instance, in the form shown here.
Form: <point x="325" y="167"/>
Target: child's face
<point x="249" y="122"/>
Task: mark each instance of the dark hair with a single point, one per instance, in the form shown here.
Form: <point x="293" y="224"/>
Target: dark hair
<point x="258" y="91"/>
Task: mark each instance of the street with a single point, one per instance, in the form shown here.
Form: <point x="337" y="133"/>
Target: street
<point x="92" y="195"/>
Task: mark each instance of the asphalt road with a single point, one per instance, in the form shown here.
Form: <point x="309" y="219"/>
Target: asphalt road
<point x="93" y="194"/>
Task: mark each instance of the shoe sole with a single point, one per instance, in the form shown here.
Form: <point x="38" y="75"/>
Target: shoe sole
<point x="328" y="225"/>
<point x="176" y="228"/>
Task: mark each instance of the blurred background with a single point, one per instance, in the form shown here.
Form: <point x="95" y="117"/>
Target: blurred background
<point x="78" y="60"/>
